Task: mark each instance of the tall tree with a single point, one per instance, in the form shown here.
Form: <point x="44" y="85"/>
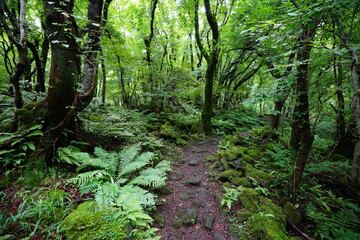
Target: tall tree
<point x="301" y="135"/>
<point x="212" y="61"/>
<point x="20" y="44"/>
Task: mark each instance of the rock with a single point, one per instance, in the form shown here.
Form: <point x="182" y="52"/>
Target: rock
<point x="175" y="176"/>
<point x="193" y="163"/>
<point x="193" y="181"/>
<point x="219" y="236"/>
<point x="187" y="217"/>
<point x="197" y="203"/>
<point x="184" y="196"/>
<point x="263" y="226"/>
<point x="236" y="164"/>
<point x="159" y="219"/>
<point x="243" y="216"/>
<point x="217" y="198"/>
<point x="203" y="196"/>
<point x="241" y="182"/>
<point x="84" y="223"/>
<point x="165" y="190"/>
<point x="249" y="199"/>
<point x="259" y="175"/>
<point x="268" y="207"/>
<point x="229" y="174"/>
<point x="208" y="220"/>
<point x="292" y="213"/>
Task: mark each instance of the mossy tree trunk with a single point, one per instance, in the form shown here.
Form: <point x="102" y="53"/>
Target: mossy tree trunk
<point x="301" y="135"/>
<point x="212" y="59"/>
<point x="65" y="66"/>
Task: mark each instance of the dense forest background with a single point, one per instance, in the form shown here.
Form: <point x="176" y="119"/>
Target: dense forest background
<point x="94" y="94"/>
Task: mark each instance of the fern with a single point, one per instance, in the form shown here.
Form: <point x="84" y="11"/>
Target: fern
<point x="150" y="177"/>
<point x="72" y="155"/>
<point x="164" y="165"/>
<point x="344" y="224"/>
<point x="105" y="160"/>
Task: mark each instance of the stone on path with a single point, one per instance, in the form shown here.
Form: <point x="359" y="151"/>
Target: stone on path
<point x="175" y="176"/>
<point x="219" y="236"/>
<point x="194" y="181"/>
<point x="186" y="217"/>
<point x="208" y="220"/>
<point x="184" y="196"/>
<point x="193" y="163"/>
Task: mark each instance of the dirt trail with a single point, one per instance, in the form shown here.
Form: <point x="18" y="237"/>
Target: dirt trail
<point x="190" y="211"/>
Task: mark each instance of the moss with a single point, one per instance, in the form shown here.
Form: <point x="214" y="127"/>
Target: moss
<point x="226" y="185"/>
<point x="232" y="153"/>
<point x="259" y="175"/>
<point x="237" y="181"/>
<point x="268" y="146"/>
<point x="31" y="113"/>
<point x="250" y="199"/>
<point x="292" y="213"/>
<point x="273" y="232"/>
<point x="84" y="224"/>
<point x="243" y="216"/>
<point x="248" y="159"/>
<point x="229" y="174"/>
<point x="262" y="226"/>
<point x="254" y="153"/>
<point x="168" y="131"/>
<point x="268" y="207"/>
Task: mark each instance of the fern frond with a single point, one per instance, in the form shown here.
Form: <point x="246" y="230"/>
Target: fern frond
<point x="72" y="155"/>
<point x="164" y="165"/>
<point x="132" y="167"/>
<point x="106" y="195"/>
<point x="128" y="154"/>
<point x="83" y="178"/>
<point x="145" y="157"/>
<point x="153" y="181"/>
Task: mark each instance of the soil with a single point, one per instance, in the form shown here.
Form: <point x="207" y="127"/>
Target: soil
<point x="190" y="197"/>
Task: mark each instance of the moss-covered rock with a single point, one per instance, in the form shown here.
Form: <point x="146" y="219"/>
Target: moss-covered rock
<point x="254" y="153"/>
<point x="168" y="131"/>
<point x="232" y="153"/>
<point x="269" y="207"/>
<point x="243" y="216"/>
<point x="237" y="181"/>
<point x="250" y="199"/>
<point x="259" y="175"/>
<point x="263" y="226"/>
<point x="84" y="224"/>
<point x="292" y="213"/>
<point x="229" y="174"/>
<point x="248" y="159"/>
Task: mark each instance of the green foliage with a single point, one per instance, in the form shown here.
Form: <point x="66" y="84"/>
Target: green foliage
<point x="343" y="224"/>
<point x="39" y="213"/>
<point x="231" y="195"/>
<point x="16" y="147"/>
<point x="113" y="184"/>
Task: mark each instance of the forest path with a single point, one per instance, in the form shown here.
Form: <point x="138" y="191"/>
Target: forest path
<point x="190" y="210"/>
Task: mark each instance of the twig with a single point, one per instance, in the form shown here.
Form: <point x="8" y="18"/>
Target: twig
<point x="297" y="229"/>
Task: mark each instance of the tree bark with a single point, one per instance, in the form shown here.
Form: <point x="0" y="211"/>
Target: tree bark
<point x="65" y="66"/>
<point x="301" y="135"/>
<point x="21" y="47"/>
<point x="212" y="61"/>
<point x="92" y="50"/>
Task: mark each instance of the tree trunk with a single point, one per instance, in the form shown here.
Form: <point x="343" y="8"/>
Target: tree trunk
<point x="212" y="61"/>
<point x="21" y="47"/>
<point x="92" y="49"/>
<point x="356" y="112"/>
<point x="301" y="135"/>
<point x="65" y="66"/>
